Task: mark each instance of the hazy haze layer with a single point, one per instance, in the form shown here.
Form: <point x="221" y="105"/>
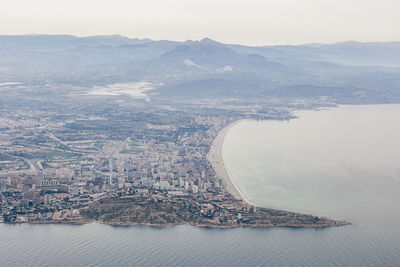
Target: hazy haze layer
<point x="246" y="22"/>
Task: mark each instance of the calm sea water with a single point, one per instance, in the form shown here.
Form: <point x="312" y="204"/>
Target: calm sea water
<point x="341" y="163"/>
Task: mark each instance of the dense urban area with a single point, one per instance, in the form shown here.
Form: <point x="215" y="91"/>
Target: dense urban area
<point x="124" y="160"/>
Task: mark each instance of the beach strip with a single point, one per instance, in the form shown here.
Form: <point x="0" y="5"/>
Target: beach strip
<point x="216" y="158"/>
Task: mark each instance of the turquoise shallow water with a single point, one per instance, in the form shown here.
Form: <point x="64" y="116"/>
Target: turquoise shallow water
<point x="341" y="163"/>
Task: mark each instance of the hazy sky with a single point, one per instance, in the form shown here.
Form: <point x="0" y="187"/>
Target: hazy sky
<point x="253" y="22"/>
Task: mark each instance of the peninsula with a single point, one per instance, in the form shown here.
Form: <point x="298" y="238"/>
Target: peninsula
<point x="207" y="210"/>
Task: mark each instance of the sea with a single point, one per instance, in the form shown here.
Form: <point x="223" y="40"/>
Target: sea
<point x="342" y="163"/>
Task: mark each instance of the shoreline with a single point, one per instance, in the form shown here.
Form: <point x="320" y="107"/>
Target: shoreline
<point x="331" y="223"/>
<point x="215" y="156"/>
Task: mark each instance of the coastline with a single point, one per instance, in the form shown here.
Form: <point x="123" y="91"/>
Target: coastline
<point x="124" y="211"/>
<point x="328" y="223"/>
<point x="216" y="158"/>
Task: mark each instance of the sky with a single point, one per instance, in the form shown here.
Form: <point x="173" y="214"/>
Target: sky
<point x="249" y="22"/>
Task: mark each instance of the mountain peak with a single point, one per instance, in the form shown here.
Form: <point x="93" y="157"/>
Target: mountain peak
<point x="208" y="40"/>
<point x="206" y="53"/>
<point x="204" y="41"/>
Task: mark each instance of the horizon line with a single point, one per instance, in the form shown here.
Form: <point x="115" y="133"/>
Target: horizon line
<point x="182" y="41"/>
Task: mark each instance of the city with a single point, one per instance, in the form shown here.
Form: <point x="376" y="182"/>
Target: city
<point x="57" y="162"/>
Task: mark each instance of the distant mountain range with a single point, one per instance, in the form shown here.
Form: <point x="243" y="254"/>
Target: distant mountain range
<point x="347" y="72"/>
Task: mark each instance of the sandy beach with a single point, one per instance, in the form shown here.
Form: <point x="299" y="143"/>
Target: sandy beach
<point x="216" y="159"/>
